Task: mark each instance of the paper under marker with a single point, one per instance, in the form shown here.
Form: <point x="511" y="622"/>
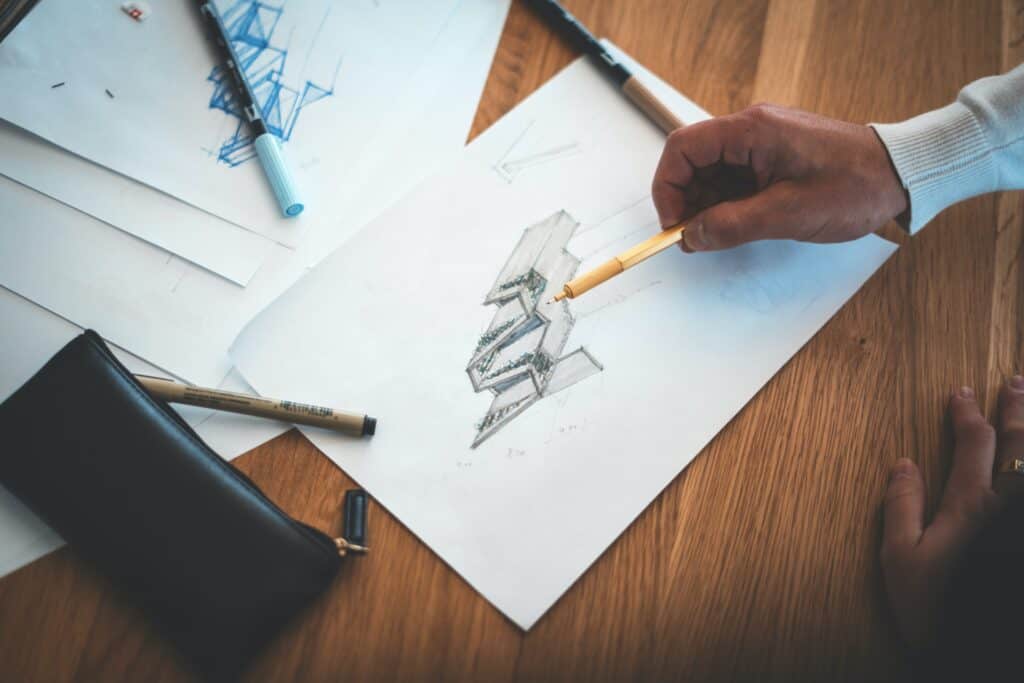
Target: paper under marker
<point x="268" y="148"/>
<point x="623" y="261"/>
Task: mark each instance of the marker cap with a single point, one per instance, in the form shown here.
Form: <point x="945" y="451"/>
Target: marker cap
<point x="269" y="151"/>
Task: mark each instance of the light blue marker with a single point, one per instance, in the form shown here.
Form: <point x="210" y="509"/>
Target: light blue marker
<point x="268" y="147"/>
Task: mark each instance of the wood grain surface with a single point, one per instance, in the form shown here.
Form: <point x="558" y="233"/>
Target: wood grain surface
<point x="12" y="12"/>
<point x="759" y="562"/>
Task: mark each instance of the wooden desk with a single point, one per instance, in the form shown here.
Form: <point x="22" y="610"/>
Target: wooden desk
<point x="761" y="559"/>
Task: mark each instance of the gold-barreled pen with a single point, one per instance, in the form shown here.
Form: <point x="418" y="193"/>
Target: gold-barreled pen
<point x="622" y="262"/>
<point x="354" y="424"/>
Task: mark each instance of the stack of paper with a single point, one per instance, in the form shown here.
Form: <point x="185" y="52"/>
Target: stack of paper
<point x="518" y="437"/>
<point x="132" y="203"/>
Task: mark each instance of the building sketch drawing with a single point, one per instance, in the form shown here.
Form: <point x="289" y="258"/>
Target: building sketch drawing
<point x="519" y="357"/>
<point x="251" y="25"/>
<point x="522" y="155"/>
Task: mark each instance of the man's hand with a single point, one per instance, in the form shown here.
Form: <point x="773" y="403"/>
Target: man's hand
<point x="770" y="172"/>
<point x="918" y="561"/>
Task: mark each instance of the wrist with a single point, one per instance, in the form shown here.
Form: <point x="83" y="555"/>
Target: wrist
<point x="942" y="157"/>
<point x="894" y="197"/>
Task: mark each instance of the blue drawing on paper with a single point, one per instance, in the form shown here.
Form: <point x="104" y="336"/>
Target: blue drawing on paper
<point x="251" y="26"/>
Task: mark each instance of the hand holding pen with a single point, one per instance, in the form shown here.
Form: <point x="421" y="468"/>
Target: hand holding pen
<point x="771" y="172"/>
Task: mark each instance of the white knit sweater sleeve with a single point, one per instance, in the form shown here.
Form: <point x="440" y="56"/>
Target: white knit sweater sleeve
<point x="970" y="147"/>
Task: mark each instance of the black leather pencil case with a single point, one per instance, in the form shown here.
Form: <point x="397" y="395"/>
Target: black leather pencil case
<point x="138" y="494"/>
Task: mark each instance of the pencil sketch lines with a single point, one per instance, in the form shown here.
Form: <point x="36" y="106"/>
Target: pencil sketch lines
<point x="519" y="357"/>
<point x="251" y="25"/>
<point x="615" y="214"/>
<point x="619" y="299"/>
<point x="526" y="152"/>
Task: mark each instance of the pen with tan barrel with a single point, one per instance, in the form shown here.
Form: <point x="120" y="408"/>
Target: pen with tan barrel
<point x="630" y="85"/>
<point x="624" y="261"/>
<point x="286" y="411"/>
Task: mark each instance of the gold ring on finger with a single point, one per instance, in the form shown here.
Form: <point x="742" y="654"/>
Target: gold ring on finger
<point x="1012" y="466"/>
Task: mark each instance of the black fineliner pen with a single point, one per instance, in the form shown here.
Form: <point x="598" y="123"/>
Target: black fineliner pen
<point x="585" y="41"/>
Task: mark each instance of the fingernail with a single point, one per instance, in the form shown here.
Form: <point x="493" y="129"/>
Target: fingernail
<point x="966" y="392"/>
<point x="694" y="236"/>
<point x="1017" y="382"/>
<point x="903" y="468"/>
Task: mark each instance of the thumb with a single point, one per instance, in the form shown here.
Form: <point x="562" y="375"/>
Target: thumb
<point x="904" y="509"/>
<point x="774" y="213"/>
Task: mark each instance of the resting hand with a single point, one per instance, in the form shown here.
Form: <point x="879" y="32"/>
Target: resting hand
<point x="770" y="172"/>
<point x="918" y="561"/>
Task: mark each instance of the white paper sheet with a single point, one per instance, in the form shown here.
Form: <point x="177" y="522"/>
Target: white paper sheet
<point x="680" y="343"/>
<point x="31" y="336"/>
<point x="182" y="318"/>
<point x="462" y="55"/>
<point x="202" y="238"/>
<point x="44" y="248"/>
<point x="136" y="97"/>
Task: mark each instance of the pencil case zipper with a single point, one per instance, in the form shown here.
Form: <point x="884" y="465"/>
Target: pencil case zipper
<point x="333" y="546"/>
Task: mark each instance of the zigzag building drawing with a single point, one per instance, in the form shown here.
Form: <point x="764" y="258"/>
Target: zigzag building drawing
<point x="251" y="28"/>
<point x="519" y="357"/>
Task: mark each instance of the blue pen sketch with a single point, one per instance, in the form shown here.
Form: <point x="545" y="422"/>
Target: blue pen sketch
<point x="251" y="25"/>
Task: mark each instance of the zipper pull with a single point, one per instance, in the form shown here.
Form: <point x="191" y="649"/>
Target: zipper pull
<point x="344" y="547"/>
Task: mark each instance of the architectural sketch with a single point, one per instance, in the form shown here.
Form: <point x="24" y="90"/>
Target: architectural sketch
<point x="251" y="25"/>
<point x="519" y="357"/>
<point x="522" y="154"/>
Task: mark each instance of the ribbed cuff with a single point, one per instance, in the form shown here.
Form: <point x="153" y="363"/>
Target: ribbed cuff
<point x="942" y="157"/>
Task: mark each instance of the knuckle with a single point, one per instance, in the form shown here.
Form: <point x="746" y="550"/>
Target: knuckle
<point x="677" y="139"/>
<point x="900" y="490"/>
<point x="675" y="136"/>
<point x="758" y="110"/>
<point x="761" y="112"/>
